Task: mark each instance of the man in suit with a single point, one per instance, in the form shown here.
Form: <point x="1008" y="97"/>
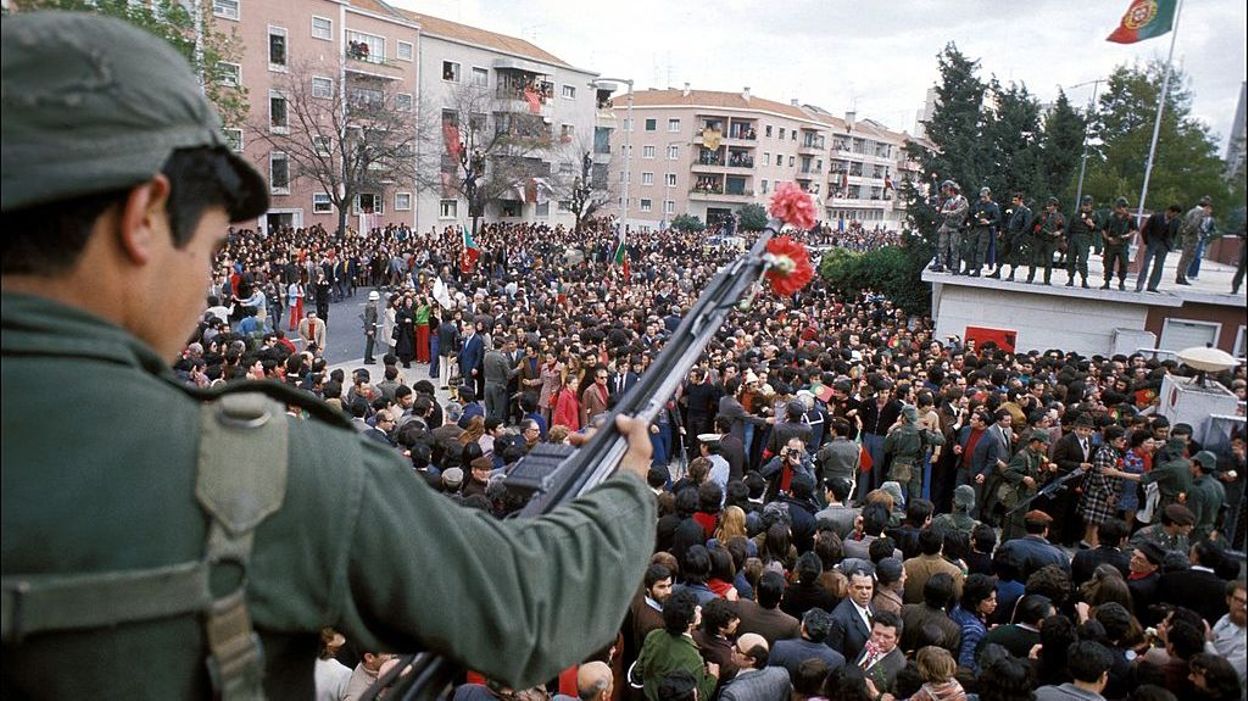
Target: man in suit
<point x="448" y="337"/>
<point x="1022" y="635"/>
<point x="627" y="375"/>
<point x="472" y="360"/>
<point x="816" y="625"/>
<point x="997" y="446"/>
<point x="498" y="372"/>
<point x="1034" y="549"/>
<point x="852" y="618"/>
<point x="312" y="331"/>
<point x="1145" y="571"/>
<point x="932" y="613"/>
<point x="1072" y="452"/>
<point x="928" y="563"/>
<point x="881" y="658"/>
<point x="1197" y="587"/>
<point x="763" y="616"/>
<point x="756" y="681"/>
<point x="731" y="449"/>
<point x="1159" y="234"/>
<point x="595" y="397"/>
<point x="1110" y="536"/>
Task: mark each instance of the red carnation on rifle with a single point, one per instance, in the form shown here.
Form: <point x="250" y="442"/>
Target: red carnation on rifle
<point x="790" y="269"/>
<point x="793" y="206"/>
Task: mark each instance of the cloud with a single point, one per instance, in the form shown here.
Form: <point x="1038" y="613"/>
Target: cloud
<point x="876" y="57"/>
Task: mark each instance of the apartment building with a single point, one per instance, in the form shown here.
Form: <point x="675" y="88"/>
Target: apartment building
<point x="546" y="108"/>
<point x="367" y="48"/>
<point x="708" y="153"/>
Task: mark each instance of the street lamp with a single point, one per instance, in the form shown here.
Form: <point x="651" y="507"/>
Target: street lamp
<point x="628" y="123"/>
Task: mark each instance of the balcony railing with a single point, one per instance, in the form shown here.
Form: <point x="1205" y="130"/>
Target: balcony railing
<point x="743" y="134"/>
<point x="740" y="162"/>
<point x="707" y="190"/>
<point x="709" y="160"/>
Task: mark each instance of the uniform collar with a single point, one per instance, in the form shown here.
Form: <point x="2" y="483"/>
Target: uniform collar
<point x="40" y="326"/>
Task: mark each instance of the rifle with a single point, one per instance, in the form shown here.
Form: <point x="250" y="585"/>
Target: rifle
<point x="552" y="475"/>
<point x="1052" y="487"/>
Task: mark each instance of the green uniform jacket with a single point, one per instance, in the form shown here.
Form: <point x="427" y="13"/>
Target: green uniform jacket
<point x="663" y="653"/>
<point x="1205" y="499"/>
<point x="1173" y="477"/>
<point x="99" y="457"/>
<point x="1025" y="463"/>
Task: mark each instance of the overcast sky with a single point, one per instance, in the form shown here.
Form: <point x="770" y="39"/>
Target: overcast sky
<point x="879" y="57"/>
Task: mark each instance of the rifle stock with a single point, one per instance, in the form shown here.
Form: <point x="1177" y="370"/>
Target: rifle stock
<point x="552" y="475"/>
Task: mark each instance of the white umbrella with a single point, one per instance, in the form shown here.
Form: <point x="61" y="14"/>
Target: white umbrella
<point x="1207" y="359"/>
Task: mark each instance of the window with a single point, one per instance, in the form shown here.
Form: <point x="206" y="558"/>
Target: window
<point x="450" y="71"/>
<point x="566" y="132"/>
<point x="402" y="201"/>
<point x="565" y="206"/>
<point x="652" y="124"/>
<point x="368" y="203"/>
<point x="669" y="207"/>
<point x="766" y="159"/>
<point x="1178" y="334"/>
<point x="568" y="91"/>
<point x="767" y="131"/>
<point x="673" y="125"/>
<point x="277" y="49"/>
<point x="542" y="209"/>
<point x="781" y="132"/>
<point x="764" y="187"/>
<point x="673" y="152"/>
<point x="404" y="50"/>
<point x="481" y="77"/>
<point x="647" y="178"/>
<point x="793" y="135"/>
<point x="671" y="180"/>
<point x="361" y="97"/>
<point x="792" y="161"/>
<point x="234" y="138"/>
<point x="1238" y="350"/>
<point x="323" y="28"/>
<point x="230" y="74"/>
<point x="646" y="205"/>
<point x="227" y="9"/>
<point x="366" y="47"/>
<point x="279" y="173"/>
<point x="510" y="208"/>
<point x="322" y="86"/>
<point x="321" y="145"/>
<point x="647" y="152"/>
<point x="448" y="209"/>
<point x="321" y="204"/>
<point x="277" y="113"/>
<point x="403" y="102"/>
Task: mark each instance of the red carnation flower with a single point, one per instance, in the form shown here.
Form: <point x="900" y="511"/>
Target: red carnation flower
<point x="790" y="269"/>
<point x="793" y="206"/>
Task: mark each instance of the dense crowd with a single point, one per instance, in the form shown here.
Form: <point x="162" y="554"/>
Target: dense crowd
<point x="849" y="507"/>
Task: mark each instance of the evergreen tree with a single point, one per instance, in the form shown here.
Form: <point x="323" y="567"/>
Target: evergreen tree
<point x="753" y="217"/>
<point x="1187" y="166"/>
<point x="957" y="123"/>
<point x="1063" y="149"/>
<point x="1015" y="136"/>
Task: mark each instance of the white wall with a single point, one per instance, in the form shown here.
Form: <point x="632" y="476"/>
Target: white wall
<point x="1042" y="320"/>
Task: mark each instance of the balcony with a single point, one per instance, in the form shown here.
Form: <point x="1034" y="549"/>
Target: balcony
<point x="717" y="195"/>
<point x="743" y="162"/>
<point x="812" y="145"/>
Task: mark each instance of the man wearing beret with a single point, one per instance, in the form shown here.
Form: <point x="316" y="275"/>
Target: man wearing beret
<point x="209" y="535"/>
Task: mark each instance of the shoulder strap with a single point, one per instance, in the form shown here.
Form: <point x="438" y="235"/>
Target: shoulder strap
<point x="241" y="481"/>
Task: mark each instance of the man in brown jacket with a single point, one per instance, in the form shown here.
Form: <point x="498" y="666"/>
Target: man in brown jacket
<point x="929" y="561"/>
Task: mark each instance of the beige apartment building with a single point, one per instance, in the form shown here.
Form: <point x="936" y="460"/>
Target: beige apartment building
<point x="367" y="49"/>
<point x="708" y="153"/>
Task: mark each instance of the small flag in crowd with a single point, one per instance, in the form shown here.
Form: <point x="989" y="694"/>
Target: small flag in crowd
<point x="471" y="251"/>
<point x="441" y="294"/>
<point x="621" y="251"/>
<point x="1145" y="19"/>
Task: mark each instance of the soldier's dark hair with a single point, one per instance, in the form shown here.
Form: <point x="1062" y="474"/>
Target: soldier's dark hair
<point x="48" y="239"/>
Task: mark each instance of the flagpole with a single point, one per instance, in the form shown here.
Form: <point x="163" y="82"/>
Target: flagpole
<point x="1161" y="106"/>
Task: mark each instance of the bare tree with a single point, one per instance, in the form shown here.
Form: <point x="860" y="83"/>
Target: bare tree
<point x="352" y="137"/>
<point x="579" y="182"/>
<point x="487" y="148"/>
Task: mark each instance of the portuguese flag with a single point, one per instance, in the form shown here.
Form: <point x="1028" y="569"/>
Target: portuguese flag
<point x="1145" y="19"/>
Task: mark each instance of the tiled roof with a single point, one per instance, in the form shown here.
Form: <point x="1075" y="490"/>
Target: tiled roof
<point x="713" y="98"/>
<point x="379" y="8"/>
<point x="454" y="31"/>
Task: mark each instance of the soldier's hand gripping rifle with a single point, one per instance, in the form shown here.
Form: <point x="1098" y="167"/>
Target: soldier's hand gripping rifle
<point x="552" y="475"/>
<point x="1050" y="488"/>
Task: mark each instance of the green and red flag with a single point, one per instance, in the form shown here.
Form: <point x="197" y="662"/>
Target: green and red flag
<point x="471" y="251"/>
<point x="621" y="250"/>
<point x="1145" y="19"/>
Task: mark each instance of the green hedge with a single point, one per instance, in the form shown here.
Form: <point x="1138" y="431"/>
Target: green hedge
<point x="892" y="271"/>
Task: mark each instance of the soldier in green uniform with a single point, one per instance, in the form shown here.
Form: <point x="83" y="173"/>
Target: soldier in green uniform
<point x="1079" y="240"/>
<point x="905" y="445"/>
<point x="1047" y="231"/>
<point x="1207" y="494"/>
<point x="185" y="543"/>
<point x="960" y="518"/>
<point x="1118" y="229"/>
<point x="1021" y="481"/>
<point x="985" y="218"/>
<point x="1172" y="472"/>
<point x="1173" y="531"/>
<point x="1013" y="247"/>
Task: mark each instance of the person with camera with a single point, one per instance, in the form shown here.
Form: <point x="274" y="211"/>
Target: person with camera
<point x="793" y="460"/>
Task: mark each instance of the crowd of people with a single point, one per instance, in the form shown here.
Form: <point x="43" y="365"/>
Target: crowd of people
<point x="849" y="507"/>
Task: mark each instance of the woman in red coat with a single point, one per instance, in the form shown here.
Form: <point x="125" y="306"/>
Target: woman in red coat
<point x="567" y="405"/>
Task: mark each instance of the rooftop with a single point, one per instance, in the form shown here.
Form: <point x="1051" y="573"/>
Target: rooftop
<point x="715" y="98"/>
<point x="463" y="33"/>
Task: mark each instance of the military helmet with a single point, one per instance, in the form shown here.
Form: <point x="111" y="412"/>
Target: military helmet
<point x="1206" y="201"/>
<point x="1087" y="199"/>
<point x="985" y="191"/>
<point x="949" y="184"/>
<point x="1120" y="202"/>
<point x="1052" y="200"/>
